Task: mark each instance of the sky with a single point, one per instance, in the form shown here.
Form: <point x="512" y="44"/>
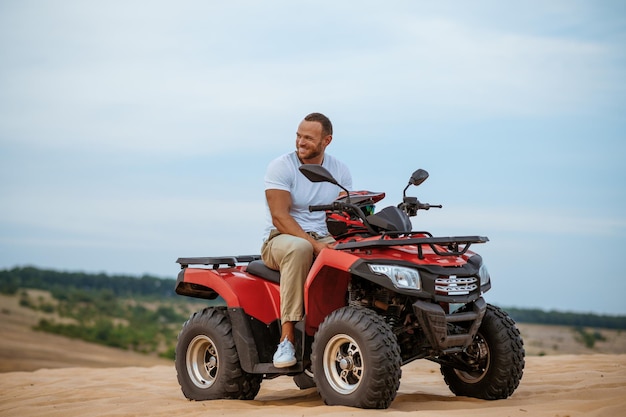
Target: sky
<point x="136" y="132"/>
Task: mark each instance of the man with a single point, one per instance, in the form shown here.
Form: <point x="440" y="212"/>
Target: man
<point x="294" y="235"/>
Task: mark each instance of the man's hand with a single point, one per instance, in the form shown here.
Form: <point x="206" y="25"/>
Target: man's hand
<point x="279" y="202"/>
<point x="318" y="246"/>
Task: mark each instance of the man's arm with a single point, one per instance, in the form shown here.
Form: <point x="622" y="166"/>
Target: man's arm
<point x="279" y="203"/>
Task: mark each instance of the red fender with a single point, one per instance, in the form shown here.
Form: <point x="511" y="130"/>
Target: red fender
<point x="326" y="285"/>
<point x="258" y="298"/>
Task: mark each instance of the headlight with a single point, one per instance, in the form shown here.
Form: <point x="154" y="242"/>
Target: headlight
<point x="483" y="273"/>
<point x="400" y="276"/>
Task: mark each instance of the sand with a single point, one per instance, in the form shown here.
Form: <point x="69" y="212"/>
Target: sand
<point x="48" y="375"/>
<point x="565" y="385"/>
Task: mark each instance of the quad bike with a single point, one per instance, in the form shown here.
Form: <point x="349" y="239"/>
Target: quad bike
<point x="384" y="296"/>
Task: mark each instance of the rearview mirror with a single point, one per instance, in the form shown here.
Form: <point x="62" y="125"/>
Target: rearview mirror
<point x="317" y="173"/>
<point x="418" y="177"/>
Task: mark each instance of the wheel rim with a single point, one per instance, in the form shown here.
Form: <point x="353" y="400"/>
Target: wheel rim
<point x="202" y="361"/>
<point x="478" y="355"/>
<point x="343" y="365"/>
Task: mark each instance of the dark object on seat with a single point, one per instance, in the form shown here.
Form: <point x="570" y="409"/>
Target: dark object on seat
<point x="391" y="219"/>
<point x="260" y="269"/>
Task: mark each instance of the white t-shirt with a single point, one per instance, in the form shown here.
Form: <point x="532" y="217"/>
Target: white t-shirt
<point x="283" y="174"/>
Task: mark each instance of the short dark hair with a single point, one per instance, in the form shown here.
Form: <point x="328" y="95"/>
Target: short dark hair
<point x="327" y="126"/>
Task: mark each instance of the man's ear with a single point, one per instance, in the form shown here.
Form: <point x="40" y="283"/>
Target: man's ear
<point x="328" y="139"/>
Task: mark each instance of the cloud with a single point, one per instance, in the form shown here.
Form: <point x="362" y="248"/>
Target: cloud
<point x="189" y="221"/>
<point x="440" y="67"/>
<point x="520" y="220"/>
<point x="173" y="81"/>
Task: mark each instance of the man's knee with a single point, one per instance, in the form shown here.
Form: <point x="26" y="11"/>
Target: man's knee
<point x="298" y="254"/>
<point x="286" y="248"/>
<point x="300" y="247"/>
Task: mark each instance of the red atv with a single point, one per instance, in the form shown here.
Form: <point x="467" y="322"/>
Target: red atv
<point x="383" y="297"/>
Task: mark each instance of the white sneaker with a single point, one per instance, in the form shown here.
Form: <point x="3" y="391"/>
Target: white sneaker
<point x="285" y="355"/>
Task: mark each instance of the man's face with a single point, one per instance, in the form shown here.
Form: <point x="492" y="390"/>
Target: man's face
<point x="310" y="143"/>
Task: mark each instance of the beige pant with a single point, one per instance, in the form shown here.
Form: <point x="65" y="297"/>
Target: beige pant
<point x="293" y="257"/>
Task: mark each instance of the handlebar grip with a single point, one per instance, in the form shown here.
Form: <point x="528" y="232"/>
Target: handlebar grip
<point x="427" y="206"/>
<point x="323" y="207"/>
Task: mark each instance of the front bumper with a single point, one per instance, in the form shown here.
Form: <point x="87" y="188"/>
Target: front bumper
<point x="434" y="322"/>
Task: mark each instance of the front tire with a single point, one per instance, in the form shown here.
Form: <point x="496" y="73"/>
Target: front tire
<point x="207" y="363"/>
<point x="356" y="359"/>
<point x="497" y="356"/>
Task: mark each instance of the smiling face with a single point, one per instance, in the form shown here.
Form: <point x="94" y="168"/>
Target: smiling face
<point x="311" y="142"/>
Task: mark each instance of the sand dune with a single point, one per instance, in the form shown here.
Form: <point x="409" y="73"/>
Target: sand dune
<point x="23" y="349"/>
<point x="566" y="385"/>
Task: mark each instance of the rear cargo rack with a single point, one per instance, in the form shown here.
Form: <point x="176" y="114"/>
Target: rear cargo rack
<point x="215" y="262"/>
<point x="442" y="246"/>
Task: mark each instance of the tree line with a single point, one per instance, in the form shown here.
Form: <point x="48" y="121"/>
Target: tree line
<point x="562" y="318"/>
<point x="57" y="282"/>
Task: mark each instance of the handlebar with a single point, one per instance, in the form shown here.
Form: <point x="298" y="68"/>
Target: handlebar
<point x="411" y="205"/>
<point x="323" y="207"/>
<point x="427" y="206"/>
<point x="347" y="207"/>
<point x="336" y="206"/>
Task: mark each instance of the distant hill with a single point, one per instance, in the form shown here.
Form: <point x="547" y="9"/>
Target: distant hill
<point x="61" y="283"/>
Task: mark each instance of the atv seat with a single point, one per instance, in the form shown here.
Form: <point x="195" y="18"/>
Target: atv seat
<point x="258" y="268"/>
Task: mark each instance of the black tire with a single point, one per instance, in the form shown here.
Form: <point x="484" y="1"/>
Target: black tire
<point x="498" y="349"/>
<point x="304" y="380"/>
<point x="207" y="363"/>
<point x="356" y="359"/>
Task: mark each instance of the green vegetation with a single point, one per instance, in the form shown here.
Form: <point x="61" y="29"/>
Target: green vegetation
<point x="145" y="315"/>
<point x="559" y="318"/>
<point x="589" y="339"/>
<point x="141" y="314"/>
<point x="100" y="317"/>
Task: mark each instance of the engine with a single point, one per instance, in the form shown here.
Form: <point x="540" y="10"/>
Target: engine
<point x="395" y="309"/>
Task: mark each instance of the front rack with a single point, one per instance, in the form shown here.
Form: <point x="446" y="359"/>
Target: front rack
<point x="454" y="245"/>
<point x="215" y="262"/>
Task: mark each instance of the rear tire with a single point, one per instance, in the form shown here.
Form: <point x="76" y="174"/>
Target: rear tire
<point x="356" y="359"/>
<point x="498" y="352"/>
<point x="304" y="380"/>
<point x="207" y="363"/>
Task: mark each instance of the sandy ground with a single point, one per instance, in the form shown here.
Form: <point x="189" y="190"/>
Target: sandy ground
<point x="48" y="375"/>
<point x="556" y="386"/>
